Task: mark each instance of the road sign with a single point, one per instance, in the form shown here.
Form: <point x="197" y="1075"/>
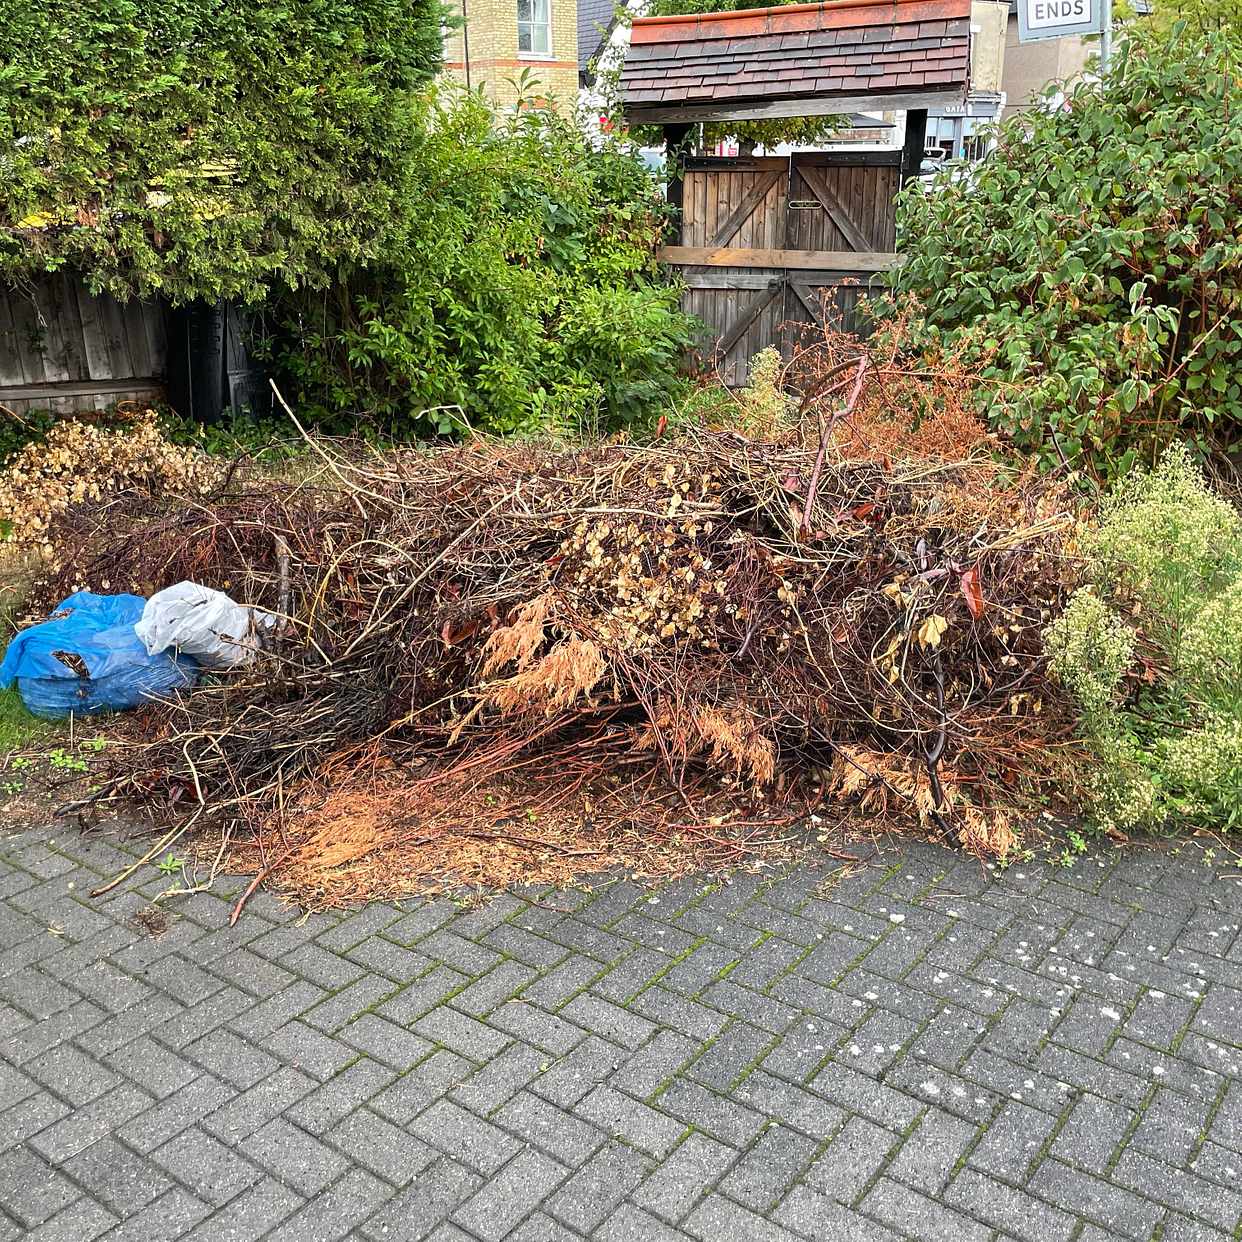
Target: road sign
<point x="1054" y="19"/>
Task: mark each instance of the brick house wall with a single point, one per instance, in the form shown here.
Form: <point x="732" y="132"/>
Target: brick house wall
<point x="485" y="52"/>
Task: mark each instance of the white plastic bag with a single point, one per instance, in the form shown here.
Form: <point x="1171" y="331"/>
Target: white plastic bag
<point x="203" y="623"/>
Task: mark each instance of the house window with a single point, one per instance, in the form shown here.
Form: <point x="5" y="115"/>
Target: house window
<point x="942" y="135"/>
<point x="974" y="142"/>
<point x="535" y="27"/>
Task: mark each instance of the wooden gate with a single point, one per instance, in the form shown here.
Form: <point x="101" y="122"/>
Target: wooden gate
<point x="770" y="246"/>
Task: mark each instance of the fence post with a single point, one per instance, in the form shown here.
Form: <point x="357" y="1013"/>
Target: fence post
<point x="916" y="141"/>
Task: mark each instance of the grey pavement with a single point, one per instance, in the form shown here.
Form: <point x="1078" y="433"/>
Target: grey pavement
<point x="923" y="1049"/>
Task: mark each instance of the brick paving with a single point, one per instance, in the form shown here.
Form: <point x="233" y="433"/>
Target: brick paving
<point x="920" y="1050"/>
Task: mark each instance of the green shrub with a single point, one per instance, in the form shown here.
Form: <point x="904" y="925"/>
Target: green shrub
<point x="1210" y="651"/>
<point x="518" y="289"/>
<point x="205" y="148"/>
<point x="1168" y="542"/>
<point x="1151" y="649"/>
<point x="1196" y="14"/>
<point x="426" y="265"/>
<point x="1089" y="268"/>
<point x="16" y="432"/>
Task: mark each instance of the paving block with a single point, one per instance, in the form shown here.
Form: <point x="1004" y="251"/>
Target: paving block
<point x="413" y="1092"/>
<point x="931" y="1152"/>
<point x="255" y="1107"/>
<point x="1040" y="1054"/>
<point x="915" y="1215"/>
<point x="686" y="1175"/>
<point x="852" y="1160"/>
<point x="568" y="1138"/>
<point x="764" y="1174"/>
<point x="386" y="1150"/>
<point x="207" y="1167"/>
<point x="592" y="1193"/>
<point x="623" y="1117"/>
<point x="1122" y="1213"/>
<point x="295" y="1158"/>
<point x="1012" y="1211"/>
<point x="384" y="1041"/>
<point x="31" y="1191"/>
<point x="118" y="1178"/>
<point x="510" y="1195"/>
<point x="336" y="1212"/>
<point x="465" y="1137"/>
<point x="415" y="1212"/>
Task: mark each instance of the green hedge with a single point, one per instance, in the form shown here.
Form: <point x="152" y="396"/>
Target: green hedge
<point x="424" y="263"/>
<point x="205" y="147"/>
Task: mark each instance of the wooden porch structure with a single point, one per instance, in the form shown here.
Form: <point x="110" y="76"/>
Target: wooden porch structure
<point x="767" y="247"/>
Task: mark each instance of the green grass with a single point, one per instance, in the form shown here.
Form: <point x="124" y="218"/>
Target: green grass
<point x="19" y="730"/>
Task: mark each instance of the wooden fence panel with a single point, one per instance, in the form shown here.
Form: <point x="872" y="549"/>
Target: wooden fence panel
<point x="64" y="349"/>
<point x="815" y="299"/>
<point x="840" y="208"/>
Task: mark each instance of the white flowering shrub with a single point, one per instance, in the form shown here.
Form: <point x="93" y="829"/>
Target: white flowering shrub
<point x="1167" y="542"/>
<point x="1090" y="648"/>
<point x="1151" y="649"/>
<point x="764" y="408"/>
<point x="1124" y="791"/>
<point x="1210" y="650"/>
<point x="1204" y="766"/>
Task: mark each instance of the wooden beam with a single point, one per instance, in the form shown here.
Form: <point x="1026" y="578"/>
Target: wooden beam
<point x="736" y="163"/>
<point x="728" y="278"/>
<point x="816" y="312"/>
<point x="915" y="144"/>
<point x="735" y="279"/>
<point x="80" y="388"/>
<point x="848" y="159"/>
<point x="745" y="209"/>
<point x="817" y="182"/>
<point x="822" y="260"/>
<point x="766" y="109"/>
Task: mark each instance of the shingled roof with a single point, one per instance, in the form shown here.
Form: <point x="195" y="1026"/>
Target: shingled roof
<point x="595" y="21"/>
<point x="797" y="60"/>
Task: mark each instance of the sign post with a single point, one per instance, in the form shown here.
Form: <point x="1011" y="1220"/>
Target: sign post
<point x="1054" y="19"/>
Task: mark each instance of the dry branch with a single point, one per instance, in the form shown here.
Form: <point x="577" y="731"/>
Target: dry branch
<point x="698" y="634"/>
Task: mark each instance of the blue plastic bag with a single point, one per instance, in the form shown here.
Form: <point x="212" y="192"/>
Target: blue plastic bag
<point x="87" y="658"/>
